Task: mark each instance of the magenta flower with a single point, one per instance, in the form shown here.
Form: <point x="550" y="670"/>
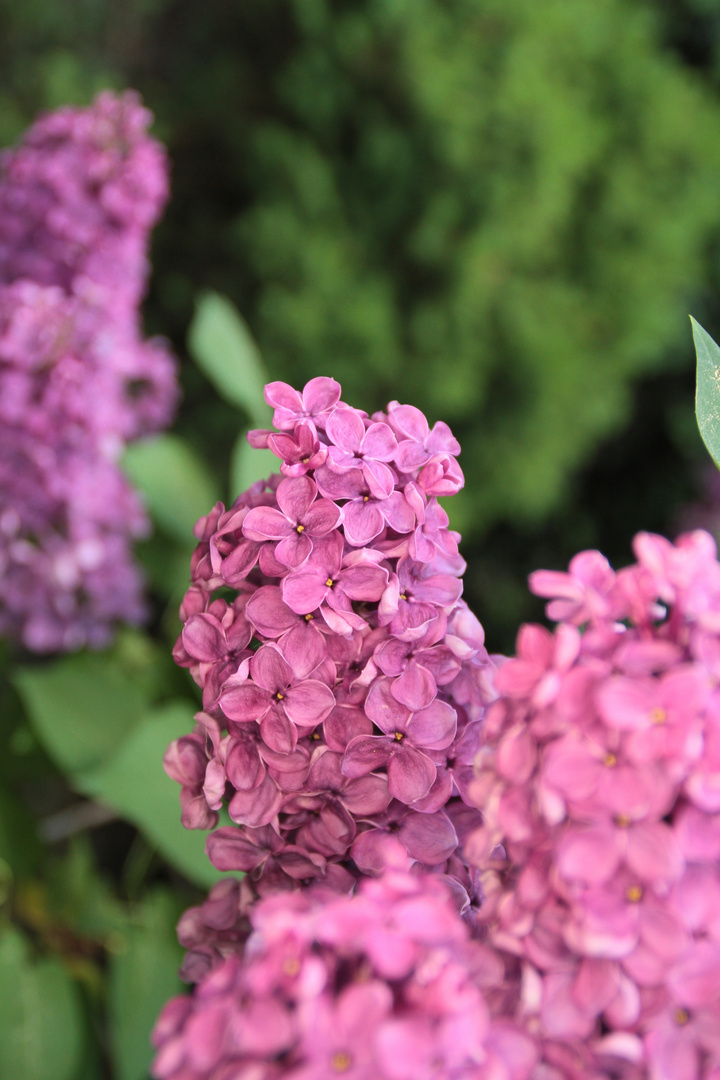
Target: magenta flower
<point x="354" y="446"/>
<point x="301" y="642"/>
<point x="418" y="444"/>
<point x="417" y="599"/>
<point x="411" y="773"/>
<point x="301" y="519"/>
<point x="328" y="578"/>
<point x="318" y="398"/>
<point x="273" y="698"/>
<point x="300" y="452"/>
<point x="365" y="516"/>
<point x="583" y="593"/>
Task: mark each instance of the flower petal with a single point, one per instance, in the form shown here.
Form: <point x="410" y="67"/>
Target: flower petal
<point x="308" y="703"/>
<point x="410" y="774"/>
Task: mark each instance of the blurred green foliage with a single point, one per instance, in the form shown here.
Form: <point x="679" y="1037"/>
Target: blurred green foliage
<point x="498" y="210"/>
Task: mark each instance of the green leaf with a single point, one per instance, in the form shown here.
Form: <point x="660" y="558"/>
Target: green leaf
<point x="248" y="465"/>
<point x="175" y="482"/>
<point x="135" y="785"/>
<point x="707" y="394"/>
<point x="81" y="707"/>
<point x="20" y="847"/>
<point x="79" y="897"/>
<point x="40" y="1016"/>
<point x="221" y="344"/>
<point x="143" y="976"/>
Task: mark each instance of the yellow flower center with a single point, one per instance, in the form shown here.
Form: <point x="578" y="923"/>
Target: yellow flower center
<point x="634" y="894"/>
<point x="658" y="716"/>
<point x="610" y="760"/>
<point x="340" y="1062"/>
<point x="329" y="583"/>
<point x="300" y="528"/>
<point x="681" y="1016"/>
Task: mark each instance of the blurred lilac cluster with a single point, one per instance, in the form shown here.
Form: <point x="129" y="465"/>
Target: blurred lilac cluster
<point x="345" y="680"/>
<point x="599" y="783"/>
<point x="78" y="198"/>
<point x="383" y="985"/>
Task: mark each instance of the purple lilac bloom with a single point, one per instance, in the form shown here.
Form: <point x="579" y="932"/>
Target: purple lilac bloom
<point x="345" y="680"/>
<point x="599" y="782"/>
<point x="383" y="985"/>
<point x="78" y="197"/>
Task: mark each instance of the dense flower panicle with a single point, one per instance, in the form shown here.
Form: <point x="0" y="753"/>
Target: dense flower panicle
<point x="345" y="679"/>
<point x="78" y="197"/>
<point x="383" y="985"/>
<point x="599" y="782"/>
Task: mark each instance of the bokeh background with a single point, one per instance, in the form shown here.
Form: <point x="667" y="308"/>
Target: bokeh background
<point x="501" y="211"/>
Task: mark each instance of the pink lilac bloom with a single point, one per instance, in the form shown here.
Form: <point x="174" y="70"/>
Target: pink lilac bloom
<point x="78" y="197"/>
<point x="383" y="985"/>
<point x="599" y="850"/>
<point x="344" y="680"/>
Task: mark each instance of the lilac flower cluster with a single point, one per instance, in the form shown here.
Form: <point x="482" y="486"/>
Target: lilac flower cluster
<point x="599" y="783"/>
<point x="78" y="198"/>
<point x="345" y="680"/>
<point x="384" y="985"/>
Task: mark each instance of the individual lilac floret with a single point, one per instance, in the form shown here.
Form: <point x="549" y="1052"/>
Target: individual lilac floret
<point x="599" y="784"/>
<point x="77" y="381"/>
<point x="384" y="985"/>
<point x="344" y="685"/>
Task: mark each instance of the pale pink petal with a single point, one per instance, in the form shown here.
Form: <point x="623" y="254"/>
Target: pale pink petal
<point x="653" y="852"/>
<point x="269" y="669"/>
<point x="362" y="522"/>
<point x="244" y="703"/>
<point x="278" y="733"/>
<point x="264" y="523"/>
<point x="294" y="549"/>
<point x="384" y="710"/>
<point x="379" y="478"/>
<point x="410" y="774"/>
<point x="269" y="613"/>
<point x="322" y="517"/>
<point x="433" y="727"/>
<point x="304" y="590"/>
<point x="321" y="394"/>
<point x="588" y="855"/>
<point x="257" y="807"/>
<point x="308" y="703"/>
<point x="429" y="838"/>
<point x="204" y="638"/>
<point x="415" y="687"/>
<point x="304" y="648"/>
<point x="295" y="496"/>
<point x="366" y="753"/>
<point x="345" y="429"/>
